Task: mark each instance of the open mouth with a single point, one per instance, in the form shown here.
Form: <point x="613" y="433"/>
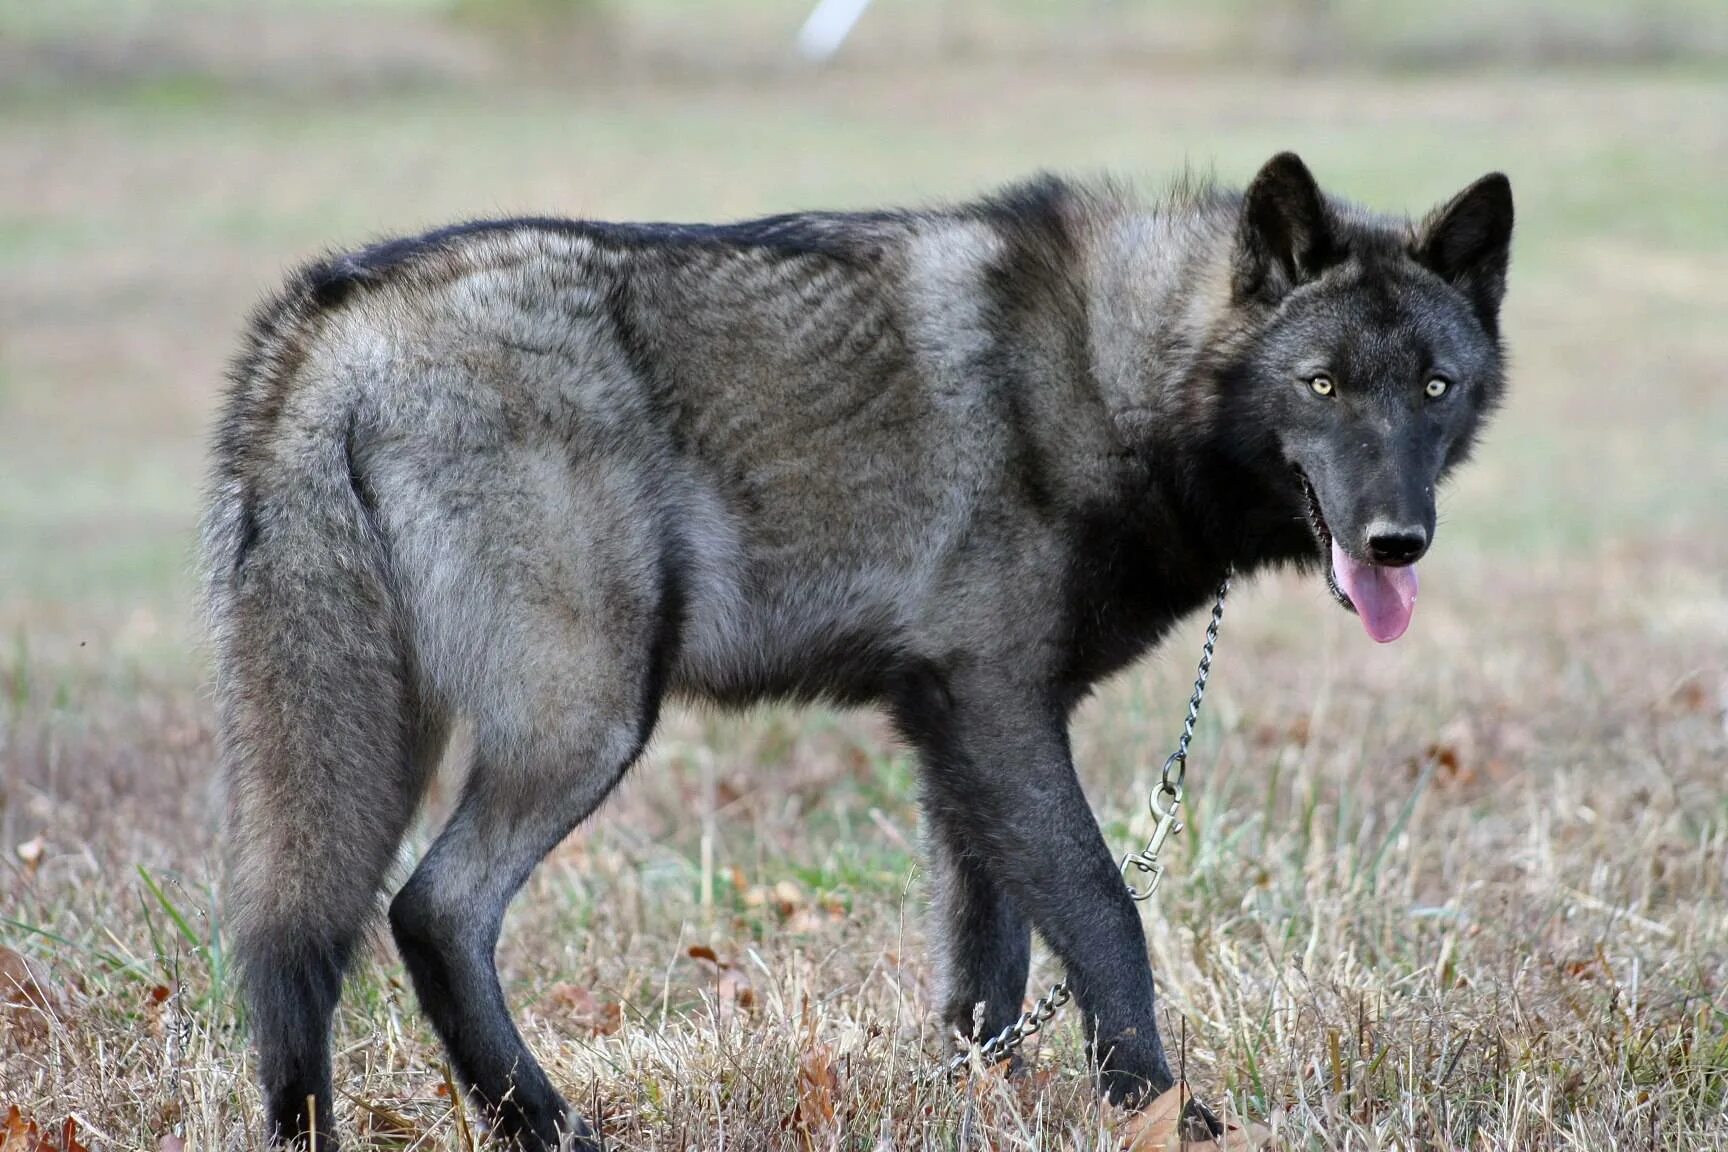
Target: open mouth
<point x="1384" y="598"/>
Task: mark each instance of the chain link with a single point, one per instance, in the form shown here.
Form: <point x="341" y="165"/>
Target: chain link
<point x="1165" y="799"/>
<point x="1000" y="1046"/>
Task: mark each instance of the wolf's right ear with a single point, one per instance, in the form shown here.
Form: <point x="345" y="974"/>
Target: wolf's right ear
<point x="1285" y="234"/>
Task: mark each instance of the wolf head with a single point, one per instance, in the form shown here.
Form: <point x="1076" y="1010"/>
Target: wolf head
<point x="1369" y="350"/>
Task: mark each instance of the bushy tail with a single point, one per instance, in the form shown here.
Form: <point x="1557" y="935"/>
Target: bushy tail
<point x="319" y="735"/>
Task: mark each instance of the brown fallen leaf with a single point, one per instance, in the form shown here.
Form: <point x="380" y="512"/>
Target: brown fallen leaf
<point x="1690" y="695"/>
<point x="69" y="1141"/>
<point x="19" y="1133"/>
<point x="26" y="994"/>
<point x="732" y="992"/>
<point x="818" y="1087"/>
<point x="171" y="1143"/>
<point x="156" y="1010"/>
<point x="381" y="1120"/>
<point x="785" y="898"/>
<point x="1454" y="756"/>
<point x="1158" y="1128"/>
<point x="1153" y="1128"/>
<point x="732" y="987"/>
<point x="587" y="1011"/>
<point x="788" y="897"/>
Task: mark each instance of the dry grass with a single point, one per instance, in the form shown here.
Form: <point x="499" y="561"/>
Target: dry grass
<point x="1467" y="892"/>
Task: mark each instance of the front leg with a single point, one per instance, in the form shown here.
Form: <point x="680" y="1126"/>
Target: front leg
<point x="998" y="771"/>
<point x="983" y="942"/>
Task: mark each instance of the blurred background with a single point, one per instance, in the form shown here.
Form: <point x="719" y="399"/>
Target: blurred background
<point x="1496" y="810"/>
<point x="167" y="160"/>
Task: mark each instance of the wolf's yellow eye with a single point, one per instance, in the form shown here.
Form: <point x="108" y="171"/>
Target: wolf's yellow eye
<point x="1322" y="384"/>
<point x="1437" y="388"/>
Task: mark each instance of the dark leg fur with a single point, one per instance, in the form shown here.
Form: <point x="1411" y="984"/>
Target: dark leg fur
<point x="447" y="920"/>
<point x="1000" y="775"/>
<point x="986" y="943"/>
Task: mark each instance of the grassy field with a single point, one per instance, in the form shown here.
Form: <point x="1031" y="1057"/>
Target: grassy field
<point x="1470" y="891"/>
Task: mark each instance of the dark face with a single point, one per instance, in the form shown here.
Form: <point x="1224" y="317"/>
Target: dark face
<point x="1376" y="362"/>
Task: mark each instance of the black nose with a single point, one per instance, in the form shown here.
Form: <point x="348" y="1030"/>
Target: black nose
<point x="1393" y="546"/>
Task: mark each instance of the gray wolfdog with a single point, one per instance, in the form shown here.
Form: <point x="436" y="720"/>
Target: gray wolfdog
<point x="540" y="475"/>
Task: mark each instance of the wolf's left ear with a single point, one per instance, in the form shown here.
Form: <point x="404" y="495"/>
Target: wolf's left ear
<point x="1284" y="236"/>
<point x="1468" y="242"/>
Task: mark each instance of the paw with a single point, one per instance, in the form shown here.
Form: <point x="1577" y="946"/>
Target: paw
<point x="1133" y="1072"/>
<point x="579" y="1135"/>
<point x="1131" y="1090"/>
<point x="1198" y="1122"/>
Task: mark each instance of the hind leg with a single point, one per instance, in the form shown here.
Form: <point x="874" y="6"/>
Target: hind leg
<point x="516" y="807"/>
<point x="550" y="627"/>
<point x="545" y="609"/>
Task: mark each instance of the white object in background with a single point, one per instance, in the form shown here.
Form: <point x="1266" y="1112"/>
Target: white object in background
<point x="828" y="26"/>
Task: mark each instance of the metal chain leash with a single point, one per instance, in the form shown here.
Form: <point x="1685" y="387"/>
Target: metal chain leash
<point x="1163" y="802"/>
<point x="1176" y="767"/>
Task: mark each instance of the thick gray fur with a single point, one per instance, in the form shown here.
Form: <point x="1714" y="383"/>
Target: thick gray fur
<point x="960" y="464"/>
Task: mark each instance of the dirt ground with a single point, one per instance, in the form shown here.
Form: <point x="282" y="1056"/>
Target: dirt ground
<point x="1469" y="891"/>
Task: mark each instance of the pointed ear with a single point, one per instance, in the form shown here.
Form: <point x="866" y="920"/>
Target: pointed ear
<point x="1468" y="243"/>
<point x="1285" y="234"/>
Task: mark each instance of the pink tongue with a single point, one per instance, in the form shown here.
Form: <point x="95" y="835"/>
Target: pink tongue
<point x="1384" y="598"/>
